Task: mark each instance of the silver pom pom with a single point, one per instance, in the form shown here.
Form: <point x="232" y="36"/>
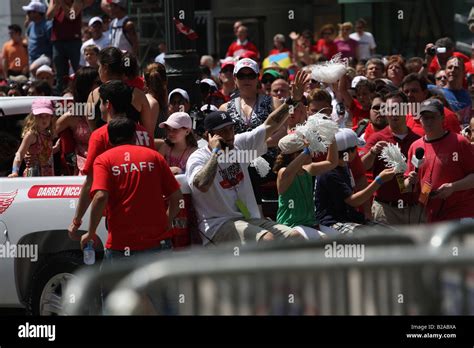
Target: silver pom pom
<point x="394" y="158"/>
<point x="332" y="71"/>
<point x="261" y="165"/>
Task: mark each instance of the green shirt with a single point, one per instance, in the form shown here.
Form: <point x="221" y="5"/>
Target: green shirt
<point x="296" y="205"/>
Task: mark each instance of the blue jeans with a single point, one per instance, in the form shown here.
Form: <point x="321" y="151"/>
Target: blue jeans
<point x="63" y="53"/>
<point x="111" y="256"/>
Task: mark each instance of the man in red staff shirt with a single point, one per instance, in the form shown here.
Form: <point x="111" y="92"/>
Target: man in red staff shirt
<point x="242" y="44"/>
<point x="115" y="98"/>
<point x="132" y="182"/>
<point x="445" y="179"/>
<point x="392" y="205"/>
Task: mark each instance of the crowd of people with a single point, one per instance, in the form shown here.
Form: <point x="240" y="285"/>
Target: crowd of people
<point x="134" y="135"/>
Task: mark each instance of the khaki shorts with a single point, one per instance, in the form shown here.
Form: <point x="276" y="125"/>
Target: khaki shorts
<point x="385" y="213"/>
<point x="250" y="230"/>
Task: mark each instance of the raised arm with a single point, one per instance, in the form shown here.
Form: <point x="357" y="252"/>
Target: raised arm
<point x="343" y="92"/>
<point x="279" y="116"/>
<point x="205" y="177"/>
<point x="318" y="168"/>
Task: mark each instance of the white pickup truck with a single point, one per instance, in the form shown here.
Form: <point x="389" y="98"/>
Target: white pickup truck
<point x="37" y="257"/>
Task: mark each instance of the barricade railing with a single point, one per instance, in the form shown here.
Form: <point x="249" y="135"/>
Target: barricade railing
<point x="365" y="277"/>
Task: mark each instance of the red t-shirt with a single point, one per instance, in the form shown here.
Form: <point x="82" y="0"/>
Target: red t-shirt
<point x="434" y="66"/>
<point x="357" y="112"/>
<point x="390" y="191"/>
<point x="66" y="27"/>
<point x="137" y="181"/>
<point x="137" y="82"/>
<point x="327" y="49"/>
<point x="450" y="123"/>
<point x="235" y="49"/>
<point x="99" y="143"/>
<point x="447" y="160"/>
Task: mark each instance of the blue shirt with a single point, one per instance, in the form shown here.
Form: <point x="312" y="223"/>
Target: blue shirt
<point x="39" y="35"/>
<point x="331" y="189"/>
<point x="459" y="101"/>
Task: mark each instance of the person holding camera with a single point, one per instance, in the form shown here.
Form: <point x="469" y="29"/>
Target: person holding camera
<point x="437" y="55"/>
<point x="221" y="188"/>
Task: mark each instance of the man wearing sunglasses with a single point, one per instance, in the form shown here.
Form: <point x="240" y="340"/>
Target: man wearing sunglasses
<point x="221" y="188"/>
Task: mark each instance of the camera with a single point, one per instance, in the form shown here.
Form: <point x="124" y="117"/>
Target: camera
<point x="435" y="50"/>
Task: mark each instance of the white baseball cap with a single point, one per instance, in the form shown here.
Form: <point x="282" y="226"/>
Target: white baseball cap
<point x="246" y="63"/>
<point x="44" y="68"/>
<point x="181" y="91"/>
<point x="94" y="19"/>
<point x="35" y="5"/>
<point x="210" y="83"/>
<point x="356" y="80"/>
<point x="178" y="120"/>
<point x="347" y="138"/>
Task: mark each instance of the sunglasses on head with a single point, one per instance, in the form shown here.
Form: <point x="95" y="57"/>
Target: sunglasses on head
<point x="242" y="76"/>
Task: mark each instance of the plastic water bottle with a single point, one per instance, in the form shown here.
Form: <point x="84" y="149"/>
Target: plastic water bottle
<point x="89" y="253"/>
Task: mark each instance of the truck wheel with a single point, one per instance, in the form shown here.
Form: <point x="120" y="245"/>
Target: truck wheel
<point x="49" y="283"/>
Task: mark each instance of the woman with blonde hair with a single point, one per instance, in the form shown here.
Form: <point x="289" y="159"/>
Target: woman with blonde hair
<point x="345" y="45"/>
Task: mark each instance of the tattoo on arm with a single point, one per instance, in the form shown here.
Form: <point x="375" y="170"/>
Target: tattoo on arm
<point x="278" y="115"/>
<point x="206" y="175"/>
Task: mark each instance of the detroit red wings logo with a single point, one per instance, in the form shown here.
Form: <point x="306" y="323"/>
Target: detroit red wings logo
<point x="6" y="199"/>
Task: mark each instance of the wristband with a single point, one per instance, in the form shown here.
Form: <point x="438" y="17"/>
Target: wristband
<point x="216" y="150"/>
<point x="307" y="151"/>
<point x="378" y="180"/>
<point x="15" y="169"/>
<point x="76" y="223"/>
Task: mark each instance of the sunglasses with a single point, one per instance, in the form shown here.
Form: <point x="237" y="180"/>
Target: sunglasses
<point x="242" y="76"/>
<point x="376" y="107"/>
<point x="226" y="70"/>
<point x="440" y="78"/>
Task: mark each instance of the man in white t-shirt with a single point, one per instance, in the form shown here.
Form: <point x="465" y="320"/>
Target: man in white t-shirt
<point x="218" y="176"/>
<point x="366" y="43"/>
<point x="98" y="38"/>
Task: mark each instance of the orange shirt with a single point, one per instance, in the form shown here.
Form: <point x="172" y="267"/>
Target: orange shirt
<point x="16" y="55"/>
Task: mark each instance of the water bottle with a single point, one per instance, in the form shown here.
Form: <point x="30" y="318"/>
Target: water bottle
<point x="89" y="253"/>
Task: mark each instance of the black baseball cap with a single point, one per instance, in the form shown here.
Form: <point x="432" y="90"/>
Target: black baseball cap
<point x="432" y="105"/>
<point x="217" y="120"/>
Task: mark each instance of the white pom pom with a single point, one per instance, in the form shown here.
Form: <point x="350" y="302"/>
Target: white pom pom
<point x="330" y="72"/>
<point x="261" y="165"/>
<point x="318" y="131"/>
<point x="394" y="158"/>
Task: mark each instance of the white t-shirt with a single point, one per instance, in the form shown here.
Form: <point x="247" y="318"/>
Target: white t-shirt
<point x="366" y="43"/>
<point x="218" y="204"/>
<point x="101" y="43"/>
